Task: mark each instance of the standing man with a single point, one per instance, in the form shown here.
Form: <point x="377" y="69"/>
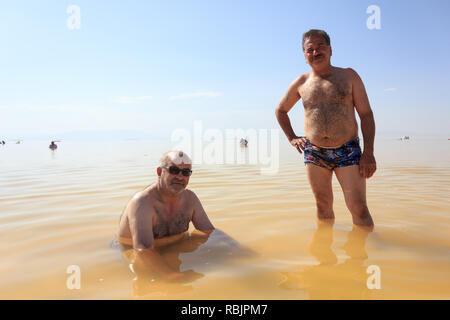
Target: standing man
<point x="330" y="97"/>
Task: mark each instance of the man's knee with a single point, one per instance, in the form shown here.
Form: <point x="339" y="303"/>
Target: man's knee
<point x="324" y="201"/>
<point x="361" y="215"/>
<point x="358" y="208"/>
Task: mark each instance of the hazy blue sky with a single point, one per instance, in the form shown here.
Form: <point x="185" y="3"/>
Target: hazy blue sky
<point x="153" y="66"/>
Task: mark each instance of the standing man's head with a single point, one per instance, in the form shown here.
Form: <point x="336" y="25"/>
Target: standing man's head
<point x="317" y="49"/>
<point x="174" y="171"/>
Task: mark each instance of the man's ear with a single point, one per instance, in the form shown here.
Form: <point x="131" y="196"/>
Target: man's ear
<point x="159" y="171"/>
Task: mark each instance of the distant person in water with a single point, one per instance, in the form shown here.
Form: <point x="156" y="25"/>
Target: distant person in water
<point x="161" y="213"/>
<point x="53" y="145"/>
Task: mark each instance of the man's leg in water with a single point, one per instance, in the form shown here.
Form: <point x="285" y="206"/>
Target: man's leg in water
<point x="320" y="181"/>
<point x="320" y="246"/>
<point x="354" y="188"/>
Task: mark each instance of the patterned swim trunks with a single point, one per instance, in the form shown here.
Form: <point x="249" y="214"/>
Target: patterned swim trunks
<point x="346" y="155"/>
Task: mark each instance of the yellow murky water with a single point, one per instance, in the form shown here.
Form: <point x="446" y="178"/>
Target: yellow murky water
<point x="61" y="208"/>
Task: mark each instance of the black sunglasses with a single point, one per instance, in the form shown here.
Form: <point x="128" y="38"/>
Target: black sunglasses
<point x="175" y="170"/>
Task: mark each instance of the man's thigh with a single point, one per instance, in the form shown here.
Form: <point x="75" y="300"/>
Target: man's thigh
<point x="320" y="181"/>
<point x="352" y="183"/>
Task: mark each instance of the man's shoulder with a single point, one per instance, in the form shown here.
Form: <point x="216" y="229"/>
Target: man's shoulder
<point x="346" y="74"/>
<point x="349" y="72"/>
<point x="301" y="79"/>
<point x="190" y="195"/>
<point x="144" y="197"/>
<point x="144" y="194"/>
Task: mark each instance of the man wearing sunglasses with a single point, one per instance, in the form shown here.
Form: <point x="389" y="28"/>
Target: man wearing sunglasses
<point x="160" y="214"/>
<point x="331" y="95"/>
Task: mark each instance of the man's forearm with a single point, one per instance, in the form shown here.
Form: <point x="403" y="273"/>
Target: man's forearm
<point x="285" y="124"/>
<point x="368" y="131"/>
<point x="150" y="258"/>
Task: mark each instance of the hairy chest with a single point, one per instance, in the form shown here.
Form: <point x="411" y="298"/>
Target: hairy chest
<point x="334" y="91"/>
<point x="170" y="221"/>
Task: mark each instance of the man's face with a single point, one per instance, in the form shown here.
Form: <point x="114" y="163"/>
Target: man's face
<point x="174" y="183"/>
<point x="317" y="52"/>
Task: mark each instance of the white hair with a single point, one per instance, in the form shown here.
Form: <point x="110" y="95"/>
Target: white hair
<point x="176" y="157"/>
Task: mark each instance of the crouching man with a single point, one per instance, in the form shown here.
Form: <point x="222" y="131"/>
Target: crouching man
<point x="160" y="214"/>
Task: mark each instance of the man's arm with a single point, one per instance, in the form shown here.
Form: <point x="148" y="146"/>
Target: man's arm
<point x="141" y="227"/>
<point x="367" y="163"/>
<point x="289" y="99"/>
<point x="199" y="218"/>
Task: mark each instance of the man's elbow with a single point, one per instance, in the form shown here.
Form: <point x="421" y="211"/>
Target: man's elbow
<point x="204" y="226"/>
<point x="367" y="116"/>
<point x="145" y="252"/>
<point x="207" y="226"/>
<point x="279" y="111"/>
<point x="207" y="230"/>
<point x="142" y="246"/>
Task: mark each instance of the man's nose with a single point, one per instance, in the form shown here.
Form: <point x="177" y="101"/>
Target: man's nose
<point x="179" y="174"/>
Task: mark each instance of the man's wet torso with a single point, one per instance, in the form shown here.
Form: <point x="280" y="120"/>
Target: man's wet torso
<point x="329" y="110"/>
<point x="171" y="221"/>
<point x="167" y="220"/>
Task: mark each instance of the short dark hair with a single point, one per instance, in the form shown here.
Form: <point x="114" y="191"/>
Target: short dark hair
<point x="315" y="32"/>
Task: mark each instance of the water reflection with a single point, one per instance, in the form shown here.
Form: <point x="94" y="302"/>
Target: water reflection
<point x="328" y="279"/>
<point x="53" y="153"/>
<point x="192" y="256"/>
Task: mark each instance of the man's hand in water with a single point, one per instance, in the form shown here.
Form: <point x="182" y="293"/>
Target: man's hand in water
<point x="299" y="143"/>
<point x="367" y="165"/>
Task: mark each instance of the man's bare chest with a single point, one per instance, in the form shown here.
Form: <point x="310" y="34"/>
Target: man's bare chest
<point x="170" y="221"/>
<point x="333" y="92"/>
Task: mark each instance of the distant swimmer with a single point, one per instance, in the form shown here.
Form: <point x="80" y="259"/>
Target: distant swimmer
<point x="53" y="145"/>
<point x="243" y="142"/>
<point x="161" y="213"/>
<point x="330" y="97"/>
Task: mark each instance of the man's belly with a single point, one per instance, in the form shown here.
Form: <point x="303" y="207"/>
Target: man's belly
<point x="326" y="142"/>
<point x="330" y="124"/>
<point x="333" y="135"/>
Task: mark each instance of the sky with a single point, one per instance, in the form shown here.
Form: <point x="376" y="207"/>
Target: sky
<point x="149" y="67"/>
